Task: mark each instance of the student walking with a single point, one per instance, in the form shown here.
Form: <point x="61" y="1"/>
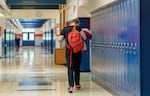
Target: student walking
<point x="17" y="40"/>
<point x="73" y="57"/>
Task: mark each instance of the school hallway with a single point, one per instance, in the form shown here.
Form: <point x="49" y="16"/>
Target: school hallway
<point x="32" y="72"/>
<point x="116" y="37"/>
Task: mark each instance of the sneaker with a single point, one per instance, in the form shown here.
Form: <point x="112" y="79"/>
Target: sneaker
<point x="77" y="87"/>
<point x="70" y="89"/>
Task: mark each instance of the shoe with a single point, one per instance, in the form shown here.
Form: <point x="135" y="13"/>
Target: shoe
<point x="77" y="87"/>
<point x="70" y="89"/>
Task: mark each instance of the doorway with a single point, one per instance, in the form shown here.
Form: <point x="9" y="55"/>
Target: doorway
<point x="28" y="39"/>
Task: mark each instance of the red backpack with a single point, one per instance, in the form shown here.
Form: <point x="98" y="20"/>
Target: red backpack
<point x="75" y="41"/>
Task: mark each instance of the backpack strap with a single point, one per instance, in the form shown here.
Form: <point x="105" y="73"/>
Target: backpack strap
<point x="67" y="45"/>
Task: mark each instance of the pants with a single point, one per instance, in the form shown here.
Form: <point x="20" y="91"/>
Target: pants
<point x="74" y="69"/>
<point x="17" y="47"/>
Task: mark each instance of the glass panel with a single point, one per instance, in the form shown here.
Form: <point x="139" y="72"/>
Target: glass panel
<point x="11" y="36"/>
<point x="7" y="36"/>
<point x="49" y="36"/>
<point x="31" y="36"/>
<point x="44" y="37"/>
<point x="25" y="36"/>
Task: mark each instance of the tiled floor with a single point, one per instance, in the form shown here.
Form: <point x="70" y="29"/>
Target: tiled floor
<point x="33" y="73"/>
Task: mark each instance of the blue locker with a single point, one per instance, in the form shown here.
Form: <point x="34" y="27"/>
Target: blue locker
<point x="52" y="43"/>
<point x="119" y="61"/>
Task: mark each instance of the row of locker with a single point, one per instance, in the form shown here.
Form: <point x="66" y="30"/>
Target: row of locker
<point x="115" y="47"/>
<point x="131" y="46"/>
<point x="49" y="41"/>
<point x="117" y="70"/>
<point x="119" y="25"/>
<point x="8" y="29"/>
<point x="8" y="44"/>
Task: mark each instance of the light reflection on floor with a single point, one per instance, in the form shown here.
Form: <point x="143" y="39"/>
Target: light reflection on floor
<point x="33" y="73"/>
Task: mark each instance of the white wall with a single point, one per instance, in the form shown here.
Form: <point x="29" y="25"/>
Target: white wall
<point x="44" y="14"/>
<point x="83" y="12"/>
<point x="38" y="41"/>
<point x="83" y="3"/>
<point x="72" y="10"/>
<point x="77" y="8"/>
<point x="83" y="8"/>
<point x="95" y="4"/>
<point x="38" y="31"/>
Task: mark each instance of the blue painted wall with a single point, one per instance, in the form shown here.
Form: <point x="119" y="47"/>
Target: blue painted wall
<point x="85" y="63"/>
<point x="116" y="47"/>
<point x="145" y="46"/>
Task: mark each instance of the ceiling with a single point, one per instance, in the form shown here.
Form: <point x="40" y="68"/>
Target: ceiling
<point x="34" y="4"/>
<point x="32" y="23"/>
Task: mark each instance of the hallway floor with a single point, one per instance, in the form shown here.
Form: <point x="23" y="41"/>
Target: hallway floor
<point x="33" y="73"/>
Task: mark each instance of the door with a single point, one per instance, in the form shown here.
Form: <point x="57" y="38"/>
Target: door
<point x="28" y="39"/>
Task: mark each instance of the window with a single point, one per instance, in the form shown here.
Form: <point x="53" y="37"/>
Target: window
<point x="28" y="36"/>
<point x="25" y="36"/>
<point x="31" y="36"/>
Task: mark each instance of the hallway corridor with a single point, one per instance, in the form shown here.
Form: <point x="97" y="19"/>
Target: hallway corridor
<point x="33" y="73"/>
